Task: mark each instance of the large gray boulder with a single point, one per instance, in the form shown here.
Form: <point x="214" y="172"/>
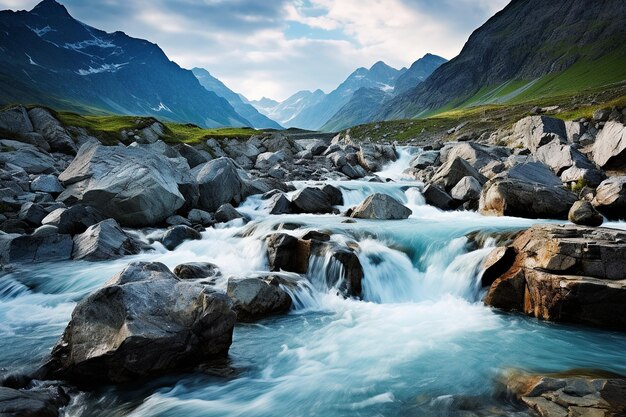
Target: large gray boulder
<point x="134" y="186"/>
<point x="15" y="120"/>
<point x="312" y="200"/>
<point x="534" y="172"/>
<point x="438" y="197"/>
<point x="609" y="149"/>
<point x="559" y="157"/>
<point x="425" y="159"/>
<point x="256" y="298"/>
<point x="381" y="207"/>
<point x="267" y="160"/>
<point x="610" y="197"/>
<point x="73" y="220"/>
<point x="583" y="213"/>
<point x="44" y="401"/>
<point x="220" y="181"/>
<point x="176" y="235"/>
<point x="476" y="154"/>
<point x="50" y="128"/>
<point x="27" y="157"/>
<point x="226" y="213"/>
<point x="47" y="184"/>
<point x="467" y="189"/>
<point x="373" y="157"/>
<point x="143" y="322"/>
<point x="102" y="241"/>
<point x="453" y="171"/>
<point x="35" y="248"/>
<point x="536" y="131"/>
<point x="511" y="197"/>
<point x="193" y="156"/>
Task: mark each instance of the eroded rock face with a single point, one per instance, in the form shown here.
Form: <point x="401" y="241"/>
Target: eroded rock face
<point x="220" y="181"/>
<point x="105" y="240"/>
<point x="453" y="171"/>
<point x="36" y="402"/>
<point x="575" y="393"/>
<point x="381" y="207"/>
<point x="196" y="270"/>
<point x="536" y="131"/>
<point x="566" y="273"/>
<point x="33" y="248"/>
<point x="287" y="253"/>
<point x="50" y="128"/>
<point x="610" y="197"/>
<point x="256" y="298"/>
<point x="609" y="149"/>
<point x="373" y="157"/>
<point x="312" y="200"/>
<point x="510" y="197"/>
<point x="135" y="187"/>
<point x="143" y="322"/>
<point x="583" y="213"/>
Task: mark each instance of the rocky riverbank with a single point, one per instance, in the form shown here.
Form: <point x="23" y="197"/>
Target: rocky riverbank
<point x="66" y="196"/>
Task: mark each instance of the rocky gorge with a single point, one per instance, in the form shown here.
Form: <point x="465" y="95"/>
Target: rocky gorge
<point x="247" y="275"/>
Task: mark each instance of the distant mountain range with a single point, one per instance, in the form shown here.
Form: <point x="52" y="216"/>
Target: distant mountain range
<point x="530" y="49"/>
<point x="353" y="101"/>
<point x="241" y="105"/>
<point x="50" y="58"/>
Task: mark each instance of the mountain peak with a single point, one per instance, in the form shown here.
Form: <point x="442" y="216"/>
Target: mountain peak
<point x="379" y="65"/>
<point x="50" y="8"/>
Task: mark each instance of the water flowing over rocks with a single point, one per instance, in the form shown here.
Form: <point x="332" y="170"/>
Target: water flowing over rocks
<point x="565" y="273"/>
<point x="143" y="322"/>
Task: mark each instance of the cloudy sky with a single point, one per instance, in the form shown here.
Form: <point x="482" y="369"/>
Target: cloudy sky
<point x="274" y="48"/>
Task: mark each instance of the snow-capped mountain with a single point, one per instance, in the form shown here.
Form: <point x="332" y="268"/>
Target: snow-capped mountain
<point x="311" y="110"/>
<point x="50" y="58"/>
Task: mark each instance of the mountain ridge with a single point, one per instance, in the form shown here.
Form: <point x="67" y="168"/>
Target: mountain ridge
<point x="63" y="63"/>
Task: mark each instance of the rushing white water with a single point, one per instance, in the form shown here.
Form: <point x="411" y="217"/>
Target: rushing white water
<point x="418" y="344"/>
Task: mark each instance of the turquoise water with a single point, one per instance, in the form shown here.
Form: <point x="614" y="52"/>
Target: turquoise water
<point x="421" y="343"/>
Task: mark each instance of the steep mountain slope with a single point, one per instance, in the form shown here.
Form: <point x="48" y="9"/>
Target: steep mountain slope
<point x="532" y="48"/>
<point x="366" y="103"/>
<point x="246" y="110"/>
<point x="362" y="108"/>
<point x="418" y="72"/>
<point x="50" y="58"/>
<point x="380" y="76"/>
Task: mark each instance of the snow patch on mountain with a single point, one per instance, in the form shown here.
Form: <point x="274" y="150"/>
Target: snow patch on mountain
<point x="102" y="68"/>
<point x="42" y="31"/>
<point x="161" y="107"/>
<point x="95" y="42"/>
